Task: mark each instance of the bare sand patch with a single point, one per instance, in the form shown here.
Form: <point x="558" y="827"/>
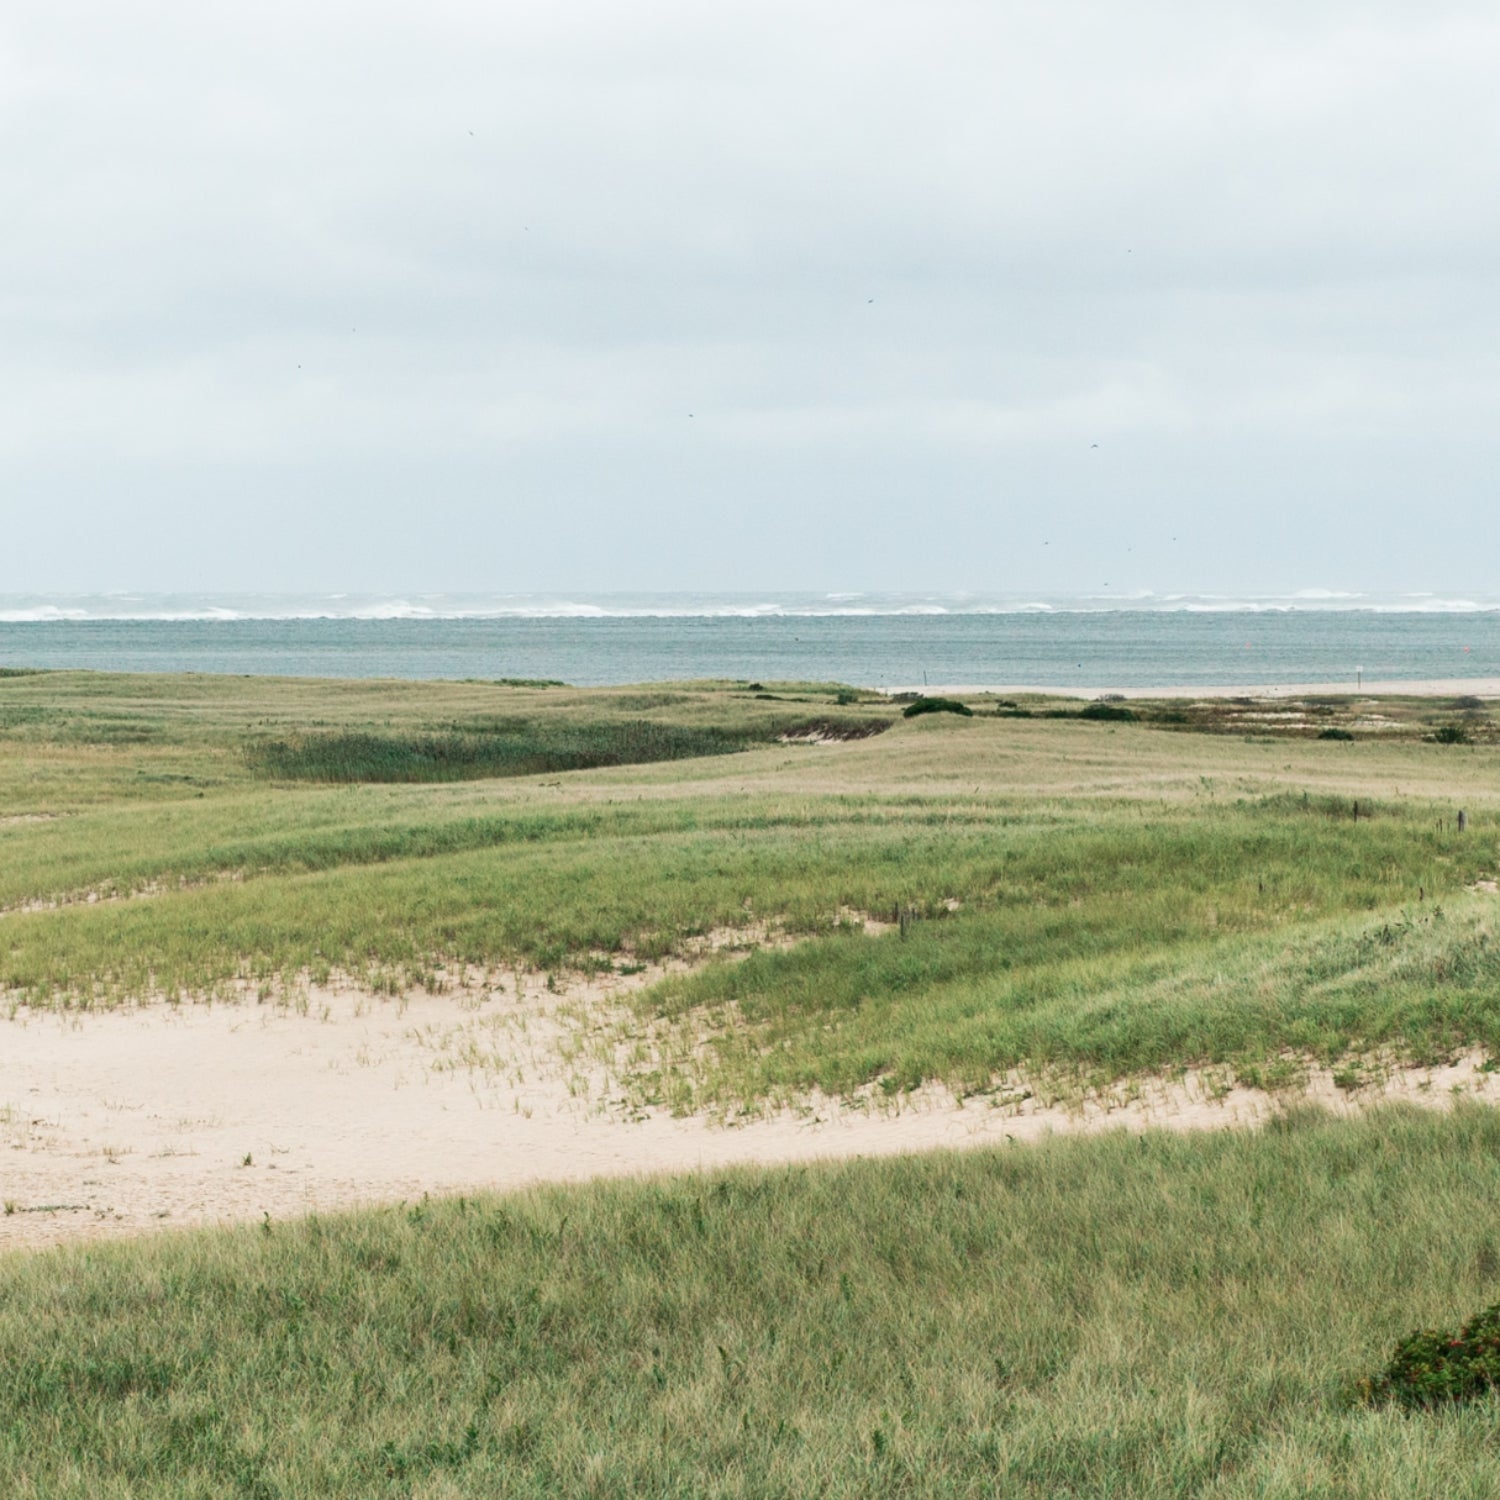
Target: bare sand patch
<point x="125" y="1121"/>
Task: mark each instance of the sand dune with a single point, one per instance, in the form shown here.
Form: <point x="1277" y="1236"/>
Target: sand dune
<point x="164" y="1115"/>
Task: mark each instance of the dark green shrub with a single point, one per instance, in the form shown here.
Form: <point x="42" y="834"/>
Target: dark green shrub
<point x="1112" y="711"/>
<point x="1449" y="734"/>
<point x="1436" y="1366"/>
<point x="1334" y="734"/>
<point x="936" y="706"/>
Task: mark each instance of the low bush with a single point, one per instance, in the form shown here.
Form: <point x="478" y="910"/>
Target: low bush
<point x="936" y="706"/>
<point x="1334" y="734"/>
<point x="1110" y="711"/>
<point x="1449" y="734"/>
<point x="1434" y="1367"/>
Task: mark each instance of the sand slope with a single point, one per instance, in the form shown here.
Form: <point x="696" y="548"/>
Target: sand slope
<point x="162" y="1115"/>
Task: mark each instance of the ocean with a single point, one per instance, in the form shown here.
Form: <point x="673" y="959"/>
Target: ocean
<point x="1090" y="643"/>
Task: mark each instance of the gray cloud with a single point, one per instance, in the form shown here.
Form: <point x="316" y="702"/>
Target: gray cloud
<point x="591" y="295"/>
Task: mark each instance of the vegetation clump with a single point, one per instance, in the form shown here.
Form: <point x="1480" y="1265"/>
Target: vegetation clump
<point x="510" y="748"/>
<point x="1449" y="734"/>
<point x="1334" y="734"/>
<point x="920" y="706"/>
<point x="1113" y="712"/>
<point x="830" y="730"/>
<point x="1436" y="1367"/>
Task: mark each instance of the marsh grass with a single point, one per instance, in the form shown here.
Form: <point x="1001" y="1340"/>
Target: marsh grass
<point x="1117" y="1317"/>
<point x="517" y="747"/>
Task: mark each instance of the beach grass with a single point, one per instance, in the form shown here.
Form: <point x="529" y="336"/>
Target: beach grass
<point x="1121" y="1316"/>
<point x="947" y="898"/>
<point x="1094" y="898"/>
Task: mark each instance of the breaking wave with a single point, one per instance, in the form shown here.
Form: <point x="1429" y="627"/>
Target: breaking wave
<point x="228" y="607"/>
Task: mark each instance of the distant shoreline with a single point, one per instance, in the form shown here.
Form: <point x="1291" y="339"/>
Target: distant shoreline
<point x="1430" y="687"/>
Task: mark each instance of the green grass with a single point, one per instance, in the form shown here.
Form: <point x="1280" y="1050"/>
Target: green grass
<point x="1083" y="898"/>
<point x="1097" y="899"/>
<point x="1120" y="1317"/>
<point x="970" y="998"/>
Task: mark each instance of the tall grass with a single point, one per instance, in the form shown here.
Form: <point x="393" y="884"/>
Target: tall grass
<point x="550" y="887"/>
<point x="961" y="1001"/>
<point x="1120" y="1317"/>
<point x="508" y="748"/>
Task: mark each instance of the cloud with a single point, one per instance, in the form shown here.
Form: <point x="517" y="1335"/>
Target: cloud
<point x="886" y="255"/>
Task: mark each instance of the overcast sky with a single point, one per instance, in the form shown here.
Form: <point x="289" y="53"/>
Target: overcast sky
<point x="576" y="296"/>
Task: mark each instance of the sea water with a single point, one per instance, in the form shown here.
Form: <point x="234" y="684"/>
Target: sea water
<point x="1092" y="643"/>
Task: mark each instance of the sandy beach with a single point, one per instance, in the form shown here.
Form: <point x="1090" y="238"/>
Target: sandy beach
<point x="1430" y="687"/>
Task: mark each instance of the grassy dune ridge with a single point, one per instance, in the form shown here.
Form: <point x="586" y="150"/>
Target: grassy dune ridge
<point x="1121" y="1317"/>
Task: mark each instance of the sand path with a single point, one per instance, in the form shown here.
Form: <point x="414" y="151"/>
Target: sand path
<point x="160" y="1116"/>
